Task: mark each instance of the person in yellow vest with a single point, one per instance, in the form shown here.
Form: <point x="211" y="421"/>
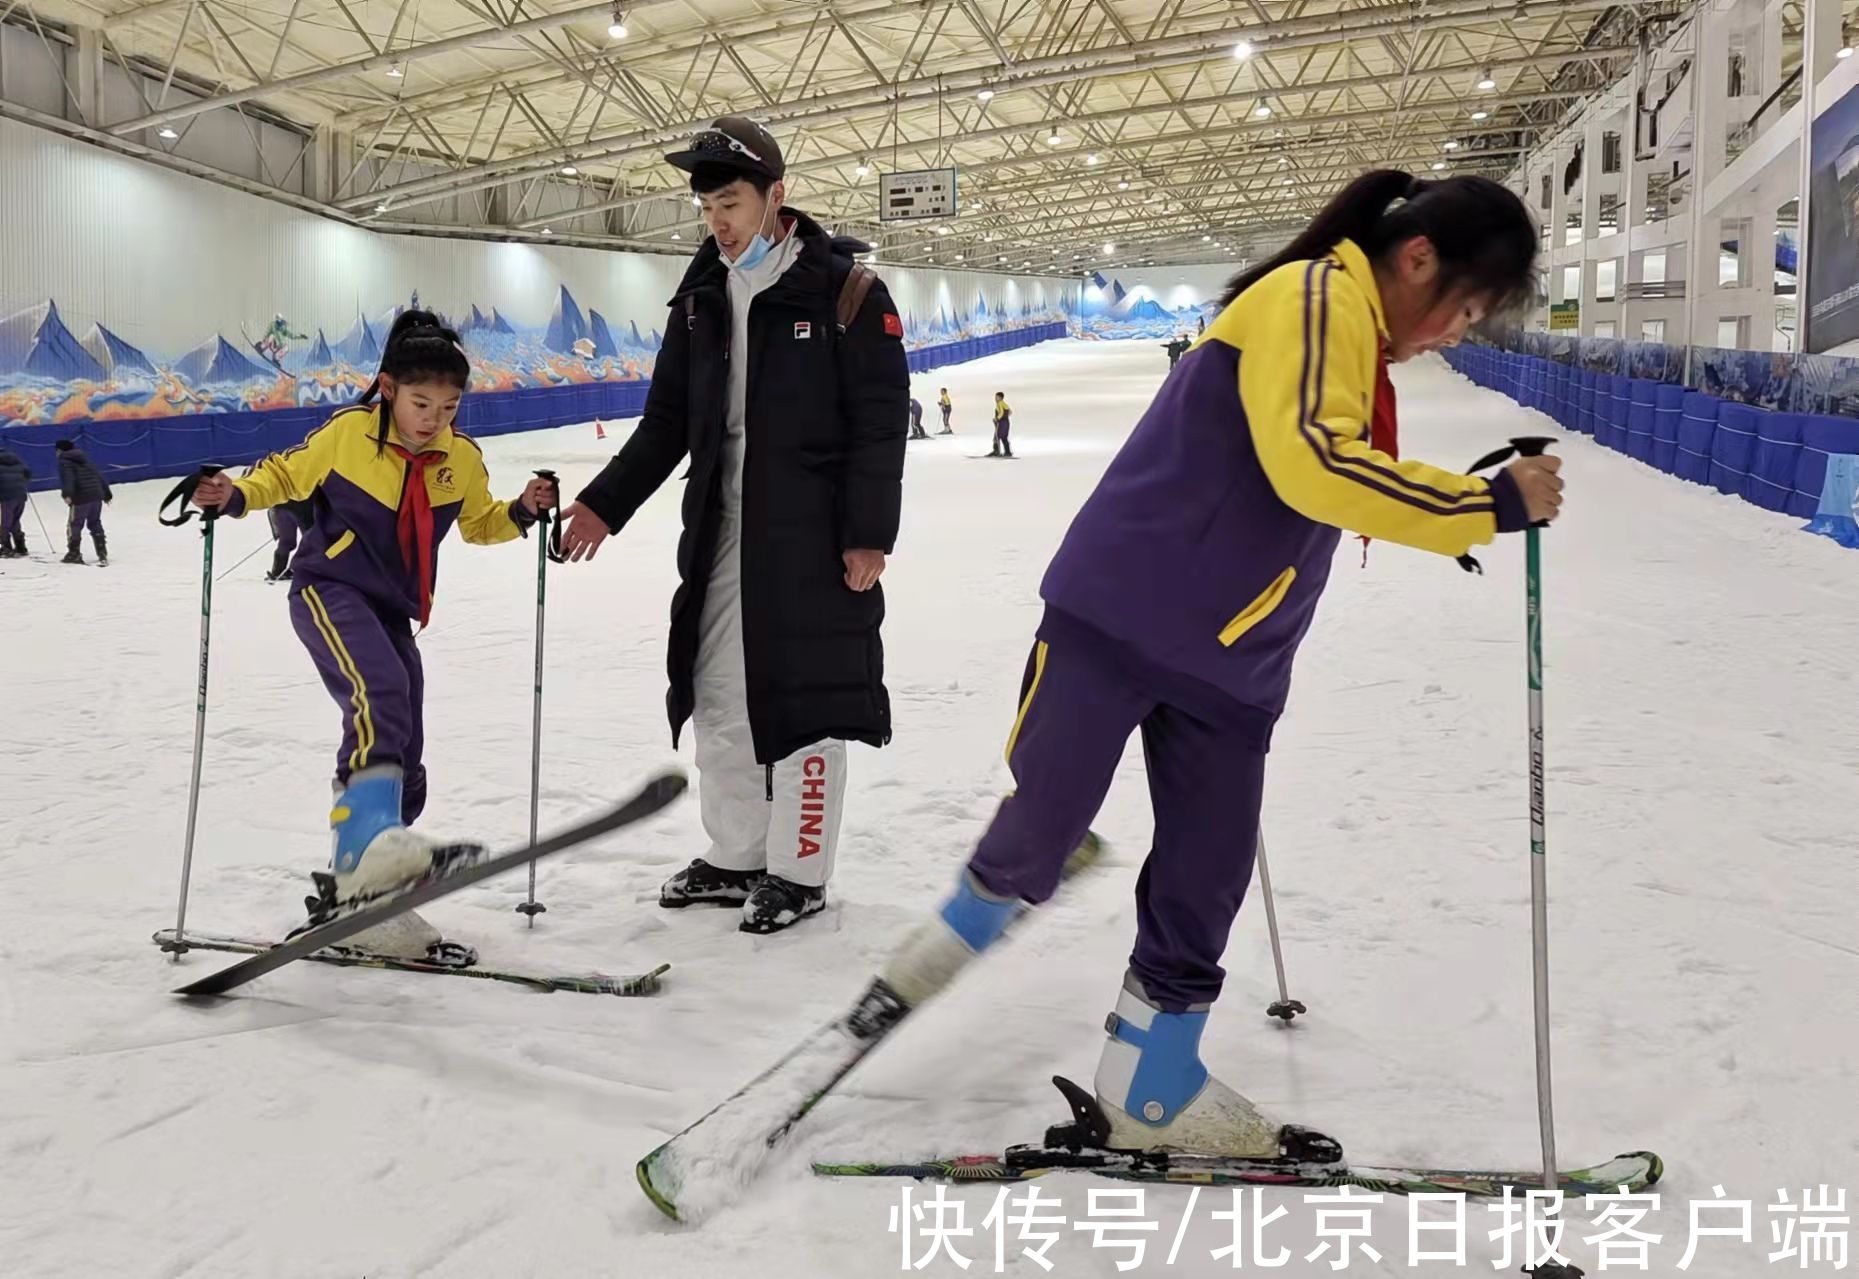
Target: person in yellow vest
<point x="1003" y="423"/>
<point x="947" y="406"/>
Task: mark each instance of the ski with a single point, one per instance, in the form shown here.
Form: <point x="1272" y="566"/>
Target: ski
<point x="646" y="983"/>
<point x="701" y="1167"/>
<point x="1633" y="1172"/>
<point x="654" y="796"/>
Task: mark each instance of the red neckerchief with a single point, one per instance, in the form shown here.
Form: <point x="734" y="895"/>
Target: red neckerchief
<point x="414" y="523"/>
<point x="1384" y="428"/>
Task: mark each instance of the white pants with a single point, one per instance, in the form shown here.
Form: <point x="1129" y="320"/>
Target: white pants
<point x="787" y="821"/>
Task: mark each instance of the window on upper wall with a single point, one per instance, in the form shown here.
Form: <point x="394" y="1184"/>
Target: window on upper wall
<point x="1608" y="217"/>
<point x="1652" y="268"/>
<point x="1546" y="181"/>
<point x="1733" y="332"/>
<point x="1604" y="328"/>
<point x="1652" y="330"/>
<point x="1610" y="153"/>
<point x="1734" y="82"/>
<point x="1732" y="260"/>
<point x="1606" y="279"/>
<point x="1571" y="284"/>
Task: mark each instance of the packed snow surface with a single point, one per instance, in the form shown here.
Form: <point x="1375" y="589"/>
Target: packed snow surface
<point x="1702" y="750"/>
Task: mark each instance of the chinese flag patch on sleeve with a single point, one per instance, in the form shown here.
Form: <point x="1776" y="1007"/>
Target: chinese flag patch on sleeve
<point x="893" y="326"/>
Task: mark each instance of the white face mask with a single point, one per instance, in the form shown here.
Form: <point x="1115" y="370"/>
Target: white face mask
<point x="757" y="247"/>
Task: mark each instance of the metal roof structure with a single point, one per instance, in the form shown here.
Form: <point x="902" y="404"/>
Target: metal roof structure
<point x="1096" y="131"/>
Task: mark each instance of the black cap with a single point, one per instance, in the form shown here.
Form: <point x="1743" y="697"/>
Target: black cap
<point x="734" y="142"/>
<point x="64" y="446"/>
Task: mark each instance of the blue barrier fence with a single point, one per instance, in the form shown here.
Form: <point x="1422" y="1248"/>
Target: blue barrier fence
<point x="127" y="450"/>
<point x="1769" y="458"/>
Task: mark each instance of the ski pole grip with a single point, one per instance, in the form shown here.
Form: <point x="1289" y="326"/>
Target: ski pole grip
<point x="1532" y="445"/>
<point x="554" y="537"/>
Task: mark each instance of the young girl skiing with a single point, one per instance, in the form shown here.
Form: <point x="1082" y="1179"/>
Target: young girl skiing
<point x="1003" y="426"/>
<point x="385" y="481"/>
<point x="1178" y="598"/>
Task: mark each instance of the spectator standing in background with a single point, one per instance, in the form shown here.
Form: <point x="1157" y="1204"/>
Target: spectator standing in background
<point x="14" y="476"/>
<point x="85" y="491"/>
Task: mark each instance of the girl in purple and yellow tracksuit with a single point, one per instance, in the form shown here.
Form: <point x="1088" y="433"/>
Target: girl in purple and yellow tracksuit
<point x="385" y="482"/>
<point x="1177" y="601"/>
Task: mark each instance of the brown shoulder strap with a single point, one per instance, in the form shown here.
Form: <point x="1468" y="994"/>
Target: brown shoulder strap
<point x="852" y="294"/>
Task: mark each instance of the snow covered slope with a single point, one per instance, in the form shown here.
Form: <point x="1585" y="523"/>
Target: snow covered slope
<point x="1703" y="812"/>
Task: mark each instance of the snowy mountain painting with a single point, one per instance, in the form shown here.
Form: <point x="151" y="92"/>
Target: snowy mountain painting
<point x="47" y="375"/>
<point x="1111" y="310"/>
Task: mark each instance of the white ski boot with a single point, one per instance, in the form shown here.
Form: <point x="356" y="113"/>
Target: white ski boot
<point x="970" y="921"/>
<point x="1158" y="1096"/>
<point x="375" y="855"/>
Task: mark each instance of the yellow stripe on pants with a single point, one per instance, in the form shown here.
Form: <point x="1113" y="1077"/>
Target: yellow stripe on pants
<point x="358" y="697"/>
<point x="1039" y="669"/>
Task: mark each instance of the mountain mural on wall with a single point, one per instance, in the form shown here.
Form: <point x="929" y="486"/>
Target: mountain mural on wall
<point x="1107" y="309"/>
<point x="47" y="375"/>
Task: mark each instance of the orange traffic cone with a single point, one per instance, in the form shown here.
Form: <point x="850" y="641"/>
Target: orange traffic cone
<point x="600" y="432"/>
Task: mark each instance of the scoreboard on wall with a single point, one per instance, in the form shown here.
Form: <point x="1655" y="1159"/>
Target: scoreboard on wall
<point x="925" y="193"/>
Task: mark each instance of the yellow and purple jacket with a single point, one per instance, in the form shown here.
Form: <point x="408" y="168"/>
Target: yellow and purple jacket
<point x="356" y="487"/>
<point x="1205" y="547"/>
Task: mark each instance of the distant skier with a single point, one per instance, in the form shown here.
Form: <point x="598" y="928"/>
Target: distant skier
<point x="948" y="406"/>
<point x="916" y="420"/>
<point x="393" y="477"/>
<point x="15" y="475"/>
<point x="1003" y="425"/>
<point x="1277" y="432"/>
<point x="85" y="492"/>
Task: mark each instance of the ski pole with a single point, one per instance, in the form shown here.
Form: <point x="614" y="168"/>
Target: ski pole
<point x="1533" y="446"/>
<point x="548" y="547"/>
<point x="248" y="555"/>
<point x="184" y="491"/>
<point x="1286" y="1007"/>
<point x="41" y="519"/>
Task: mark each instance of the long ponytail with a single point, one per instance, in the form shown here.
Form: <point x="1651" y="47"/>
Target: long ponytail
<point x="1482" y="232"/>
<point x="1350" y="215"/>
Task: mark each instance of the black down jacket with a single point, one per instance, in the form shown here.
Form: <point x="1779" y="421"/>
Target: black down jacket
<point x="79" y="479"/>
<point x="823" y="464"/>
<point x="14" y="476"/>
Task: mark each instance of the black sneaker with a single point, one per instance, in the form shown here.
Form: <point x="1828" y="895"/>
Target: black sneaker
<point x="779" y="903"/>
<point x="700" y="883"/>
<point x="72" y="557"/>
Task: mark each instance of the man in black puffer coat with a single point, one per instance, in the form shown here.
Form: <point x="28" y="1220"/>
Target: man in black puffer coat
<point x="14" y="476"/>
<point x="783" y="379"/>
<point x="85" y="493"/>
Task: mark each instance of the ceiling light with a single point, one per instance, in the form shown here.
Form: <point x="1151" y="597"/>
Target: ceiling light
<point x="1124" y="185"/>
<point x="548" y="230"/>
<point x="696" y="202"/>
<point x="394" y="72"/>
<point x="677" y="235"/>
<point x="569" y="171"/>
<point x="942" y="230"/>
<point x="864" y="168"/>
<point x="1485" y="81"/>
<point x="1480" y="115"/>
<point x="1263" y="111"/>
<point x="616" y="30"/>
<point x="1090" y="159"/>
<point x="1847" y="52"/>
<point x="1242" y="49"/>
<point x="958" y="257"/>
<point x="1053" y="138"/>
<point x="986" y="95"/>
<point x="167" y="133"/>
<point x="1286" y="182"/>
<point x="1109" y="249"/>
<point x="1452" y="146"/>
<point x="380" y="208"/>
<point x="1438" y="165"/>
<point x="1206" y="238"/>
